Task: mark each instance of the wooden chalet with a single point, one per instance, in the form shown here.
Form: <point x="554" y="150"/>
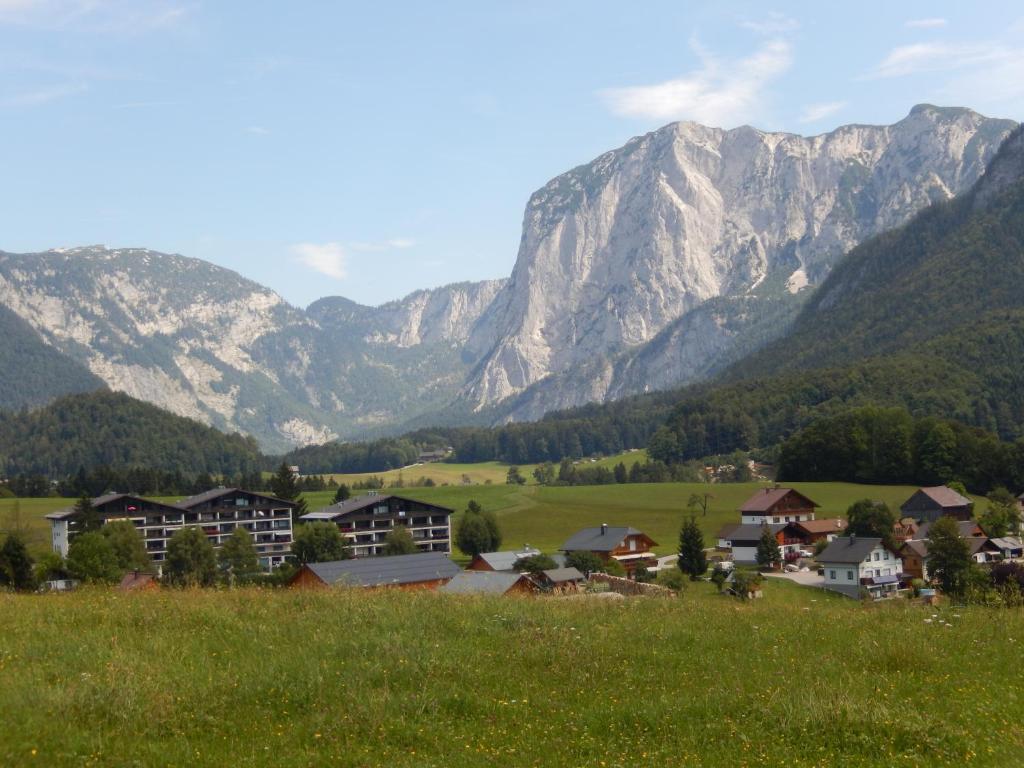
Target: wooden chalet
<point x="929" y="504"/>
<point x="490" y="583"/>
<point x="562" y="580"/>
<point x="500" y="561"/>
<point x="777" y="505"/>
<point x="422" y="570"/>
<point x="629" y="546"/>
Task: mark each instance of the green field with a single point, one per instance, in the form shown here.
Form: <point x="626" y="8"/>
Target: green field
<point x="545" y="517"/>
<point x="284" y="678"/>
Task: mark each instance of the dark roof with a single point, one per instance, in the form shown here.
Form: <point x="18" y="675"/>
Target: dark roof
<point x="594" y="540"/>
<point x="965" y="528"/>
<point x="362" y="502"/>
<point x="917" y="547"/>
<point x="382" y="571"/>
<point x="767" y="498"/>
<point x="725" y="532"/>
<point x="562" y="575"/>
<point x="752" y="531"/>
<point x="505" y="561"/>
<point x="101" y="501"/>
<point x="482" y="582"/>
<point x="943" y="497"/>
<point x="216" y="493"/>
<point x="848" y="549"/>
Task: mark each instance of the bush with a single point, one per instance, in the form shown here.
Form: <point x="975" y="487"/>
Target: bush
<point x="671" y="578"/>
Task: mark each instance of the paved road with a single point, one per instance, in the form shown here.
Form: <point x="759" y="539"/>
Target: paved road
<point x="809" y="579"/>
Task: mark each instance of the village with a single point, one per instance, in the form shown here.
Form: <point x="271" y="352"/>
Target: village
<point x="777" y="534"/>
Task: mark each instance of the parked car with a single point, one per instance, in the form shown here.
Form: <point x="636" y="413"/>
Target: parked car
<point x="805" y="553"/>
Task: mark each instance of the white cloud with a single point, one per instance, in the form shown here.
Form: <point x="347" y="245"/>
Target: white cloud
<point x="720" y="92"/>
<point x="44" y="95"/>
<point x="933" y="57"/>
<point x="326" y="258"/>
<point x="257" y="130"/>
<point x="112" y="16"/>
<point x="773" y="24"/>
<point x="812" y="113"/>
<point x="926" y="23"/>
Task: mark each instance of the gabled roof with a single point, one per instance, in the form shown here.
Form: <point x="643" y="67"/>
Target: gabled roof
<point x="386" y="570"/>
<point x="848" y="549"/>
<point x="916" y="547"/>
<point x="726" y="531"/>
<point x="600" y="539"/>
<point x="752" y="531"/>
<point x="108" y="498"/>
<point x="216" y="493"/>
<point x="562" y="575"/>
<point x="765" y="499"/>
<point x="483" y="582"/>
<point x="829" y="525"/>
<point x="1008" y="542"/>
<point x="362" y="502"/>
<point x="965" y="529"/>
<point x="505" y="561"/>
<point x="942" y="496"/>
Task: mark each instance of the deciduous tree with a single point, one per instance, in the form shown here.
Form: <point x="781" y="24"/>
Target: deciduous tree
<point x="191" y="560"/>
<point x="91" y="558"/>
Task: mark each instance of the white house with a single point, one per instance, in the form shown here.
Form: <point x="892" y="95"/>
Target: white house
<point x="777" y="505"/>
<point x="852" y="562"/>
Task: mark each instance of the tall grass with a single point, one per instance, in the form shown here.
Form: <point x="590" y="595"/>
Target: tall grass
<point x="254" y="678"/>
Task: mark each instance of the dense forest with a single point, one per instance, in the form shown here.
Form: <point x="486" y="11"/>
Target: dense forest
<point x="113" y="430"/>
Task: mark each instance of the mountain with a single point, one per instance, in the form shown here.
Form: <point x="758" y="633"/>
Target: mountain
<point x="205" y="343"/>
<point x="110" y="429"/>
<point x="32" y="373"/>
<point x="663" y="261"/>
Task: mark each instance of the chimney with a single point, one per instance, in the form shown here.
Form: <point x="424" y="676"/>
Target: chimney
<point x="604" y="528"/>
<point x="853" y="538"/>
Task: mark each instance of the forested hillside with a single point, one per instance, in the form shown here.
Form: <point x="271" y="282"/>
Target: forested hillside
<point x="114" y="430"/>
<point x="33" y="373"/>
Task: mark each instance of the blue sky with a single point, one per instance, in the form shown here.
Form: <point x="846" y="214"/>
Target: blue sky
<point x="370" y="149"/>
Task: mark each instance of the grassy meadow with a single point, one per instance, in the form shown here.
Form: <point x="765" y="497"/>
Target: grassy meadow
<point x="545" y="516"/>
<point x="349" y="678"/>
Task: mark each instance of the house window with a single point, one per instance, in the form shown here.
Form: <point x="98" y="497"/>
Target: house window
<point x="849" y="575"/>
<point x="832" y="575"/>
<point x="877" y="556"/>
<point x="632" y="545"/>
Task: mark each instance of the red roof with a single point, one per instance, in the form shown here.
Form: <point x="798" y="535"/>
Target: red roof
<point x="765" y="499"/>
<point x="822" y="526"/>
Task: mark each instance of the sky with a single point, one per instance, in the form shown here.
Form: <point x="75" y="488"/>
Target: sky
<point x="371" y="149"/>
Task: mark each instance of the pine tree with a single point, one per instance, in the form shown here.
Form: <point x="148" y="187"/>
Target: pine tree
<point x="692" y="560"/>
<point x="343" y="493"/>
<point x="768" y="553"/>
<point x="284" y="485"/>
<point x="88" y="514"/>
<point x="16" y="564"/>
<point x="621" y="475"/>
<point x="949" y="557"/>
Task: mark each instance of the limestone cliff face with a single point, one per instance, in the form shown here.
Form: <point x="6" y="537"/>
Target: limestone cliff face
<point x="617" y="251"/>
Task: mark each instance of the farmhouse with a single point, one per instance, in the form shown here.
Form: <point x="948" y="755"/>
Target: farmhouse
<point x="217" y="513"/>
<point x="812" y="531"/>
<point x="929" y="504"/>
<point x="490" y="583"/>
<point x="627" y="545"/>
<point x="500" y="561"/>
<point x="745" y="539"/>
<point x="423" y="570"/>
<point x="777" y="505"/>
<point x="854" y="562"/>
<point x="1010" y="547"/>
<point x="365" y="522"/>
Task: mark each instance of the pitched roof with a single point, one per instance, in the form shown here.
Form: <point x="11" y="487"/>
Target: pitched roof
<point x="752" y="531"/>
<point x="362" y="502"/>
<point x="965" y="529"/>
<point x="385" y="570"/>
<point x="103" y="500"/>
<point x="829" y="525"/>
<point x="848" y="549"/>
<point x="917" y="547"/>
<point x="599" y="539"/>
<point x="216" y="493"/>
<point x="1008" y="542"/>
<point x="767" y="498"/>
<point x="562" y="575"/>
<point x="725" y="532"/>
<point x="943" y="497"/>
<point x="505" y="561"/>
<point x="482" y="582"/>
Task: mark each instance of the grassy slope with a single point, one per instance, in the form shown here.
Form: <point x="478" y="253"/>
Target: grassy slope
<point x="305" y="679"/>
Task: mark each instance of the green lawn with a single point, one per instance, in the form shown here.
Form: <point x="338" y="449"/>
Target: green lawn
<point x="282" y="678"/>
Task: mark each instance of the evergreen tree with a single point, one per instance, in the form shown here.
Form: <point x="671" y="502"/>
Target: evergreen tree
<point x="399" y="542"/>
<point x="284" y="485"/>
<point x="949" y="556"/>
<point x="128" y="545"/>
<point x="16" y="564"/>
<point x="621" y="475"/>
<point x="319" y="542"/>
<point x="91" y="558"/>
<point x="692" y="560"/>
<point x="191" y="560"/>
<point x="768" y="553"/>
<point x="237" y="557"/>
<point x="87" y="513"/>
<point x="343" y="493"/>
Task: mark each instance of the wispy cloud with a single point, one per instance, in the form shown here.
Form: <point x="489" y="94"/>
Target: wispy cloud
<point x="43" y="95"/>
<point x="772" y="24"/>
<point x="812" y="113"/>
<point x="720" y="92"/>
<point x="926" y="23"/>
<point x="326" y="258"/>
<point x="113" y="16"/>
<point x="331" y="259"/>
<point x="257" y="130"/>
<point x="934" y="57"/>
